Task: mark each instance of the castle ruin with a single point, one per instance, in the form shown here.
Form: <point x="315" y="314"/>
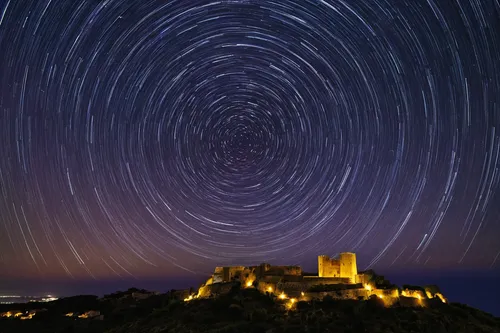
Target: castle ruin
<point x="341" y="270"/>
<point x="337" y="277"/>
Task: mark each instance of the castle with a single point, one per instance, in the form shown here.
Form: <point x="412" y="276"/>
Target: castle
<point x="330" y="270"/>
<point x="341" y="270"/>
<point x="337" y="277"/>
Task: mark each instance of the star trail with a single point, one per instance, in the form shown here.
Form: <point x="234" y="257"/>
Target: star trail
<point x="157" y="138"/>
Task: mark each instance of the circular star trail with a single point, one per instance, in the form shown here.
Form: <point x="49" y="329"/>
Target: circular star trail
<point x="146" y="138"/>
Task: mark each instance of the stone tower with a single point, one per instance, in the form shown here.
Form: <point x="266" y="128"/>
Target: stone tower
<point x="323" y="260"/>
<point x="348" y="267"/>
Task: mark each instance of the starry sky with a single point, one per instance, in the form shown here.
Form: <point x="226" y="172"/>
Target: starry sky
<point x="158" y="139"/>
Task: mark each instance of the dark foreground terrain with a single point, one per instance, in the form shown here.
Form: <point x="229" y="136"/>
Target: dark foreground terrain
<point x="244" y="310"/>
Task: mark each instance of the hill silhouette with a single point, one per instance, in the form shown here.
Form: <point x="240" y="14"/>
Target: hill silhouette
<point x="247" y="310"/>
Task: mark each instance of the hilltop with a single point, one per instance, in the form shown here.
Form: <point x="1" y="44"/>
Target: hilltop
<point x="245" y="310"/>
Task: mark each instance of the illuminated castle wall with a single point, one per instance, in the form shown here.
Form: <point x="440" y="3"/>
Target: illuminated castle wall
<point x="343" y="267"/>
<point x="330" y="270"/>
<point x="251" y="273"/>
<point x="291" y="282"/>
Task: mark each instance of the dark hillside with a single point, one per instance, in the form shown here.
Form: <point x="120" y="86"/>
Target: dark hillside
<point x="248" y="310"/>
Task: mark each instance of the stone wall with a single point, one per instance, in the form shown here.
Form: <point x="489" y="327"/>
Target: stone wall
<point x="388" y="296"/>
<point x="414" y="294"/>
<point x="314" y="280"/>
<point x="362" y="278"/>
<point x="292" y="288"/>
<point x="299" y="290"/>
<point x="385" y="292"/>
<point x="296" y="288"/>
<point x="217" y="278"/>
<point x="328" y="267"/>
<point x="244" y="274"/>
<point x="293" y="270"/>
<point x="234" y="272"/>
<point x="348" y="266"/>
<point x="218" y="275"/>
<point x="293" y="278"/>
<point x="284" y="270"/>
<point x="215" y="289"/>
<point x="354" y="294"/>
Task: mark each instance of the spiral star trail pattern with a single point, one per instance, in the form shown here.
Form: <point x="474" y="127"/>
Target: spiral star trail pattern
<point x="151" y="138"/>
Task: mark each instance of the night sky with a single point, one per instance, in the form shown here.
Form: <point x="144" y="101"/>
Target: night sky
<point x="158" y="139"/>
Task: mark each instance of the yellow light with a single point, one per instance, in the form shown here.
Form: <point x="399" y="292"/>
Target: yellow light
<point x="381" y="296"/>
<point x="291" y="303"/>
<point x="419" y="297"/>
<point x="282" y="296"/>
<point x="368" y="287"/>
<point x="302" y="294"/>
<point x="270" y="289"/>
<point x="441" y="297"/>
<point x="249" y="283"/>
